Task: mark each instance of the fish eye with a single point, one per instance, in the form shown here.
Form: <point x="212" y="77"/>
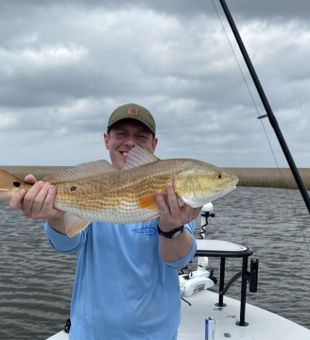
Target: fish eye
<point x="219" y="176"/>
<point x="73" y="188"/>
<point x="16" y="184"/>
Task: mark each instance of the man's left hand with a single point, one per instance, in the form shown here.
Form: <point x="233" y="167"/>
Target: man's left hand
<point x="173" y="212"/>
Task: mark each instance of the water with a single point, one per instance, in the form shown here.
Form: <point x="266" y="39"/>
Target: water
<point x="36" y="282"/>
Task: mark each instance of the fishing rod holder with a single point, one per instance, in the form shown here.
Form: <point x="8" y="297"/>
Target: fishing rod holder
<point x="205" y="214"/>
<point x="251" y="277"/>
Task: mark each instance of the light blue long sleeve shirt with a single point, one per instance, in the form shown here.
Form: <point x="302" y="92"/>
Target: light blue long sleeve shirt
<point x="123" y="289"/>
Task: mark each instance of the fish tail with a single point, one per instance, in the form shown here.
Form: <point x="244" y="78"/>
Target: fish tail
<point x="9" y="185"/>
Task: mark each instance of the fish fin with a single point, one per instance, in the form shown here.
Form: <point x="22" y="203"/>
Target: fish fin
<point x="155" y="215"/>
<point x="81" y="171"/>
<point x="138" y="156"/>
<point x="148" y="201"/>
<point x="74" y="224"/>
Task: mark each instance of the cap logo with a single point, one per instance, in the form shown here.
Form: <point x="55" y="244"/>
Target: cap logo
<point x="132" y="112"/>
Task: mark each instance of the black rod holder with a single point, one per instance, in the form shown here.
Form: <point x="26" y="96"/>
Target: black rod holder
<point x="253" y="275"/>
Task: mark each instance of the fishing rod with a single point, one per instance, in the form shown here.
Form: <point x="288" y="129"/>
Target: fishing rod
<point x="269" y="113"/>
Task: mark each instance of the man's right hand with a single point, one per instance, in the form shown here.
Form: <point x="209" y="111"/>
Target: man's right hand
<point x="38" y="202"/>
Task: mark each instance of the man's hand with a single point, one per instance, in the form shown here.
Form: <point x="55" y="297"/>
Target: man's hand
<point x="38" y="201"/>
<point x="173" y="213"/>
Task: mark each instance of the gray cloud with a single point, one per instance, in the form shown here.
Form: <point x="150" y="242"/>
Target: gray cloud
<point x="244" y="8"/>
<point x="67" y="64"/>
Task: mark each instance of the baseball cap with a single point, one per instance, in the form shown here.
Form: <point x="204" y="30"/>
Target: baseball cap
<point x="134" y="112"/>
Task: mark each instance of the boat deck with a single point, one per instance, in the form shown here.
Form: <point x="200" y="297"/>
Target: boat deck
<point x="263" y="325"/>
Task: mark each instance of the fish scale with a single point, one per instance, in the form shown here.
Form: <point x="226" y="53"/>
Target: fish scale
<point x="115" y="198"/>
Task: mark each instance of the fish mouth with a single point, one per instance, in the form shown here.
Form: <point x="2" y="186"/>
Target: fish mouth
<point x="4" y="190"/>
<point x="4" y="195"/>
<point x="201" y="201"/>
<point x="211" y="197"/>
<point x="225" y="191"/>
<point x="222" y="193"/>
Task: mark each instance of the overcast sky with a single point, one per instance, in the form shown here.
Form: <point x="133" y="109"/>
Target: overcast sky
<point x="65" y="65"/>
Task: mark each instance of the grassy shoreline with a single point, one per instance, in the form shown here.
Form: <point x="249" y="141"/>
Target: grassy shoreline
<point x="270" y="177"/>
<point x="254" y="177"/>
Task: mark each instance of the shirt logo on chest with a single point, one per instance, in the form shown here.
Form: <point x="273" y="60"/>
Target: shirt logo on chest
<point x="145" y="230"/>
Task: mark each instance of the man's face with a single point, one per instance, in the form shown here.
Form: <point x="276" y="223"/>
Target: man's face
<point x="123" y="137"/>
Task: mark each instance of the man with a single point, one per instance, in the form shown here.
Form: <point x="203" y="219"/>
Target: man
<point x="126" y="284"/>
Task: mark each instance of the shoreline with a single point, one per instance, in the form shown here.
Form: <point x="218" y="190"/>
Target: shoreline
<point x="270" y="177"/>
<point x="254" y="177"/>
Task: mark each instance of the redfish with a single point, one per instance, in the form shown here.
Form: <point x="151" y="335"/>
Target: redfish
<point x="99" y="191"/>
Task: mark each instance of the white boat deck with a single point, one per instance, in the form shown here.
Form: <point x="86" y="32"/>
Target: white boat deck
<point x="263" y="325"/>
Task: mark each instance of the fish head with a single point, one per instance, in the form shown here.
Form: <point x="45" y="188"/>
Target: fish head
<point x="9" y="185"/>
<point x="199" y="183"/>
